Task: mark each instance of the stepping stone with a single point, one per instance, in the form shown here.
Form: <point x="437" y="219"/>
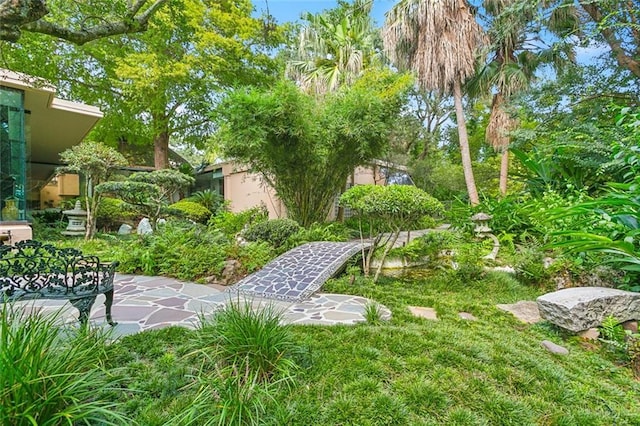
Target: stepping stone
<point x="467" y="316"/>
<point x="422" y="312"/>
<point x="525" y="311"/>
<point x="553" y="348"/>
<point x="581" y="308"/>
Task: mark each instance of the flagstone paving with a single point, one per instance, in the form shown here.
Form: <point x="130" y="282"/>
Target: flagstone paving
<point x="146" y="303"/>
<point x="300" y="272"/>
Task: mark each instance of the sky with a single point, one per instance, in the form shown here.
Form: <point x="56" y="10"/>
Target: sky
<point x="290" y="10"/>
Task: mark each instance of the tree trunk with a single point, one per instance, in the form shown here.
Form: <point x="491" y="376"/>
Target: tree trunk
<point x="504" y="171"/>
<point x="161" y="150"/>
<point x="464" y="145"/>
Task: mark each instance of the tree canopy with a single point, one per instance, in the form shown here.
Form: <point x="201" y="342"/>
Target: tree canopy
<point x="78" y="22"/>
<point x="306" y="148"/>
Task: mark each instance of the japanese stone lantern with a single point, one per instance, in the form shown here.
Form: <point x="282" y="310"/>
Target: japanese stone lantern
<point x="481" y="221"/>
<point x="77" y="221"/>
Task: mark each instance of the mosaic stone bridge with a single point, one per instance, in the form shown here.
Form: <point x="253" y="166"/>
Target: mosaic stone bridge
<point x="300" y="272"/>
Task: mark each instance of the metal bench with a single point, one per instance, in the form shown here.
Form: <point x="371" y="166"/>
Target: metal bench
<point x="33" y="270"/>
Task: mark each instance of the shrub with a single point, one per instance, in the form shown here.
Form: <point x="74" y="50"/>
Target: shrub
<point x="51" y="376"/>
<point x="112" y="212"/>
<point x="180" y="250"/>
<point x="192" y="211"/>
<point x="232" y="223"/>
<point x="250" y="339"/>
<point x="253" y="256"/>
<point x="530" y="268"/>
<point x="276" y="232"/>
<point x="209" y="199"/>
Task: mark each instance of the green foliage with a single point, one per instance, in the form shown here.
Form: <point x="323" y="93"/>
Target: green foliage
<point x="305" y="148"/>
<point x="373" y="313"/>
<point x="392" y="208"/>
<point x="192" y="211"/>
<point x="275" y="232"/>
<point x="252" y="339"/>
<point x="429" y="245"/>
<point x="178" y="250"/>
<point x="319" y="232"/>
<point x="112" y="212"/>
<point x="51" y="375"/>
<point x="209" y="199"/>
<point x="96" y="162"/>
<point x="253" y="256"/>
<point x="617" y="231"/>
<point x="149" y="192"/>
<point x="232" y="223"/>
<point x="612" y="333"/>
<point x="530" y="267"/>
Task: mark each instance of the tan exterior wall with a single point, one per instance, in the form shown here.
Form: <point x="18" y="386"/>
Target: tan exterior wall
<point x="67" y="185"/>
<point x="244" y="190"/>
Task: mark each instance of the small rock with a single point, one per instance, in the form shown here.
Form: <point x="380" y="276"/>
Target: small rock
<point x="421" y="312"/>
<point x="144" y="227"/>
<point x="125" y="229"/>
<point x="553" y="348"/>
<point x="230" y="271"/>
<point x="526" y="311"/>
<point x="507" y="269"/>
<point x="590" y="334"/>
<point x="161" y="222"/>
<point x="632" y="326"/>
<point x="467" y="316"/>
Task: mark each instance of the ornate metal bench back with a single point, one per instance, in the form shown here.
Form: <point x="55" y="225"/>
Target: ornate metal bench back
<point x="31" y="269"/>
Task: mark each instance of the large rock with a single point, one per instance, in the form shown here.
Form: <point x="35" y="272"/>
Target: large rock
<point x="580" y="308"/>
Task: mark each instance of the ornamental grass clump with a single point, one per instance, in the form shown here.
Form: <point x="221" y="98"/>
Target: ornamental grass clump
<point x="246" y="355"/>
<point x="251" y="339"/>
<point x="51" y="375"/>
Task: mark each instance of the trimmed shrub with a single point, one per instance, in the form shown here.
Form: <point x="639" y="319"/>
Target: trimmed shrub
<point x="275" y="232"/>
<point x="192" y="211"/>
<point x="113" y="212"/>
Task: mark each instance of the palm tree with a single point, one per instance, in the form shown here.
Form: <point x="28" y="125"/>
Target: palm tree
<point x="512" y="64"/>
<point x="335" y="47"/>
<point x="439" y="41"/>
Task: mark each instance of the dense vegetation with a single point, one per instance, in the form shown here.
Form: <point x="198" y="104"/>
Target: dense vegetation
<point x="545" y="140"/>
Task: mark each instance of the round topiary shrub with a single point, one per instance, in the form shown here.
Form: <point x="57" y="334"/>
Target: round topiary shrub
<point x="192" y="211"/>
<point x="113" y="212"/>
<point x="275" y="232"/>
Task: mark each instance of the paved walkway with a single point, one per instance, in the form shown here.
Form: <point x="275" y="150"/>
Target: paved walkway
<point x="146" y="303"/>
<point x="298" y="273"/>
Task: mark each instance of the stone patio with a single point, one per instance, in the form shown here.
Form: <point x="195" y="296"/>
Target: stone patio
<point x="146" y="303"/>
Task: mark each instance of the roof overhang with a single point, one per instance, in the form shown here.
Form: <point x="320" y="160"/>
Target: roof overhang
<point x="53" y="124"/>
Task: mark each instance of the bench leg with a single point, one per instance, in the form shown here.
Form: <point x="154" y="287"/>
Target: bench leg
<point x="107" y="307"/>
<point x="84" y="307"/>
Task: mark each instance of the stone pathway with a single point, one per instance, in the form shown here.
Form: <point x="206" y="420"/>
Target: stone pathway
<point x="298" y="273"/>
<point x="147" y="303"/>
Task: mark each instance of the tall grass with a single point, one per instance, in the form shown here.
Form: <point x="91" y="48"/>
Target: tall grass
<point x="246" y="355"/>
<point x="251" y="339"/>
<point x="51" y="375"/>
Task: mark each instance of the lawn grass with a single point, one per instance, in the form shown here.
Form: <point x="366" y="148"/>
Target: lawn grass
<point x="408" y="371"/>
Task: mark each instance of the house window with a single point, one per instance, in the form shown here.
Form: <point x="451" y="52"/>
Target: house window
<point x="12" y="155"/>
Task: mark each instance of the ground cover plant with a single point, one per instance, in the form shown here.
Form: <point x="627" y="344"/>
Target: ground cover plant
<point x="406" y="371"/>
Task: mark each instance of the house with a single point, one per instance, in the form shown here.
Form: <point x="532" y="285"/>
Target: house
<point x="243" y="189"/>
<point x="35" y="127"/>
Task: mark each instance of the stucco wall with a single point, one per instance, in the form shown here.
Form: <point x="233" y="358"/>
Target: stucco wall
<point x="244" y="190"/>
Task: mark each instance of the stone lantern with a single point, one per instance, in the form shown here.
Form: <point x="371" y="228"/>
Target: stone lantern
<point x="482" y="229"/>
<point x="481" y="221"/>
<point x="77" y="221"/>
